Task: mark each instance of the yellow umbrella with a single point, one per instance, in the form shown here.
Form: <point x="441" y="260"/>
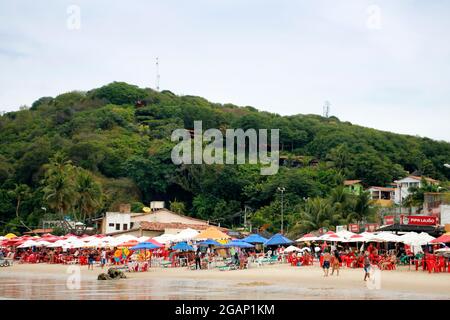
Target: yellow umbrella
<point x="212" y="233"/>
<point x="10" y="236"/>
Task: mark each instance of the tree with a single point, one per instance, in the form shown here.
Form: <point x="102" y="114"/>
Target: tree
<point x="88" y="195"/>
<point x="177" y="206"/>
<point x="21" y="192"/>
<point x="362" y="210"/>
<point x="59" y="188"/>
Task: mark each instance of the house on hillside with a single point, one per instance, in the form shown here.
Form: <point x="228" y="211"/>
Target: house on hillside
<point x="382" y="196"/>
<point x="403" y="186"/>
<point x="354" y="186"/>
<point x="153" y="223"/>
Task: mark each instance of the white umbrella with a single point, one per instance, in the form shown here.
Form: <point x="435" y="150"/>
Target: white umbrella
<point x="57" y="244"/>
<point x="307" y="238"/>
<point x="386" y="237"/>
<point x="332" y="238"/>
<point x="28" y="244"/>
<point x="186" y="235"/>
<point x="125" y="238"/>
<point x="357" y="238"/>
<point x="444" y="251"/>
<point x="345" y="234"/>
<point x="165" y="238"/>
<point x="43" y="243"/>
<point x="292" y="249"/>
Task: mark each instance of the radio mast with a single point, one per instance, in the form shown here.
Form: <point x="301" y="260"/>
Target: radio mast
<point x="326" y="109"/>
<point x="157" y="74"/>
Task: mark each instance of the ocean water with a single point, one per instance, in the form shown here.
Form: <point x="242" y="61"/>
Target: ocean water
<point x="51" y="287"/>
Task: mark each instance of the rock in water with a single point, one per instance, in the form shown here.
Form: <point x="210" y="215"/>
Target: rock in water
<point x="103" y="276"/>
<point x="116" y="274"/>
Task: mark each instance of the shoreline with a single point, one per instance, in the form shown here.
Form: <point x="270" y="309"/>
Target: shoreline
<point x="268" y="282"/>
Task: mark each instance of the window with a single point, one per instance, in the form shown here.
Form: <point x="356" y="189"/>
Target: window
<point x="111" y="225"/>
<point x="131" y="225"/>
<point x="117" y="226"/>
<point x="125" y="226"/>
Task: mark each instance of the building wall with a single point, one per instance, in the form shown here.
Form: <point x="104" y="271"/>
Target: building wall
<point x="114" y="218"/>
<point x="445" y="214"/>
<point x="402" y="190"/>
<point x="166" y="216"/>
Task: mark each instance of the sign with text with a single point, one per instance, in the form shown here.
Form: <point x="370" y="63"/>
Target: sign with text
<point x="389" y="220"/>
<point x="371" y="227"/>
<point x="419" y="220"/>
<point x="353" y="228"/>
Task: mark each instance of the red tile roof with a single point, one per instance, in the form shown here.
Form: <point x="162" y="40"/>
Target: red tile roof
<point x="39" y="231"/>
<point x="351" y="182"/>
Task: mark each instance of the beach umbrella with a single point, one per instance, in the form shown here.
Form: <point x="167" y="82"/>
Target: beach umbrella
<point x="239" y="244"/>
<point x="183" y="246"/>
<point x="147" y="239"/>
<point x="277" y="240"/>
<point x="57" y="244"/>
<point x="129" y="243"/>
<point x="28" y="244"/>
<point x="186" y="235"/>
<point x="444" y="252"/>
<point x="10" y="236"/>
<point x="209" y="242"/>
<point x="254" y="238"/>
<point x="308" y="237"/>
<point x="445" y="238"/>
<point x="292" y="249"/>
<point x="332" y="237"/>
<point x="165" y="238"/>
<point x="385" y="237"/>
<point x="144" y="245"/>
<point x="357" y="238"/>
<point x="345" y="234"/>
<point x="212" y="233"/>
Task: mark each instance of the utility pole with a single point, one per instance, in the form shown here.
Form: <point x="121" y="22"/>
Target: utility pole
<point x="282" y="190"/>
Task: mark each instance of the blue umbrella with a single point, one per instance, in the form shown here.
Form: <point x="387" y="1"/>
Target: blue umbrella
<point x="254" y="238"/>
<point x="183" y="246"/>
<point x="278" y="240"/>
<point x="239" y="244"/>
<point x="145" y="245"/>
<point x="209" y="242"/>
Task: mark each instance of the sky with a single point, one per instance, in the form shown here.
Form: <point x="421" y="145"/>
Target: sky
<point x="382" y="64"/>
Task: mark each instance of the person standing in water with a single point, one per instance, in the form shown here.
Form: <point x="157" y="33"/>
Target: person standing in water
<point x="326" y="262"/>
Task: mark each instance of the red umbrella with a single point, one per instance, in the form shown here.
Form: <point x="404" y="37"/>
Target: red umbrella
<point x="130" y="243"/>
<point x="445" y="238"/>
<point x="156" y="243"/>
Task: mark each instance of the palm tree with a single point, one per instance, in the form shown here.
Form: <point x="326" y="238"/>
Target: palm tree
<point x="362" y="210"/>
<point x="59" y="184"/>
<point x="20" y="192"/>
<point x="88" y="193"/>
<point x="315" y="214"/>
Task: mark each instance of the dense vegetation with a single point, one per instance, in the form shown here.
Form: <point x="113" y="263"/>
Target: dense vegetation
<point x="82" y="153"/>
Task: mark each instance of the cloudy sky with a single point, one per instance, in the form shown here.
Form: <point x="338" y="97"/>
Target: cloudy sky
<point x="383" y="64"/>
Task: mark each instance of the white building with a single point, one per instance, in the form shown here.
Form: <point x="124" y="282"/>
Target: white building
<point x="403" y="186"/>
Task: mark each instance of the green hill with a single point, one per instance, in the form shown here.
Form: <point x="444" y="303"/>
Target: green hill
<point x="82" y="153"/>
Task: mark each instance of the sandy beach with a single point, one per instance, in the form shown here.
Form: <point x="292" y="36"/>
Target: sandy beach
<point x="43" y="281"/>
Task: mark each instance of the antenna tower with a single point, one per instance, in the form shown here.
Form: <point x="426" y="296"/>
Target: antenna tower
<point x="326" y="109"/>
<point x="157" y="74"/>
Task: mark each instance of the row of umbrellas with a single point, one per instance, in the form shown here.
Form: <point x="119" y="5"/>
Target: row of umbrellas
<point x="410" y="238"/>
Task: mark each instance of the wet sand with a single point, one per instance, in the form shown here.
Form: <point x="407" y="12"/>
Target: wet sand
<point x="43" y="281"/>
